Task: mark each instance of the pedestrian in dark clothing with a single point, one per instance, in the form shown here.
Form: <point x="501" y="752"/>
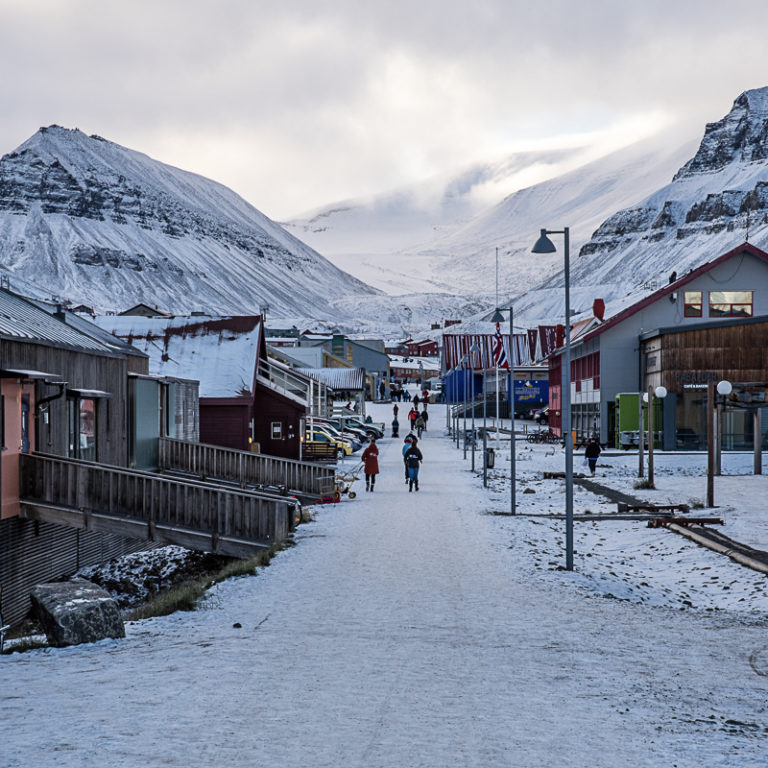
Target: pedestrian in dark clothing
<point x="416" y="400"/>
<point x="395" y="427"/>
<point x="371" y="460"/>
<point x="395" y="409"/>
<point x="592" y="453"/>
<point x="419" y="424"/>
<point x="410" y="438"/>
<point x="425" y="417"/>
<point x="413" y="459"/>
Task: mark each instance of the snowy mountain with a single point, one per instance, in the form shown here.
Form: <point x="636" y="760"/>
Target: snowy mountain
<point x="92" y="222"/>
<point x="442" y="235"/>
<point x="717" y="200"/>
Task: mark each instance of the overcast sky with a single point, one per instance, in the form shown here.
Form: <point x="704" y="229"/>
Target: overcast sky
<point x="295" y="104"/>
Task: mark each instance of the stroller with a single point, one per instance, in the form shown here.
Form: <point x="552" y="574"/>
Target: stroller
<point x="395" y="428"/>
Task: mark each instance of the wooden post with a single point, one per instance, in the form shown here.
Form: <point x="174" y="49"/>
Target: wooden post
<point x="710" y="443"/>
<point x="757" y="427"/>
<point x="718" y="438"/>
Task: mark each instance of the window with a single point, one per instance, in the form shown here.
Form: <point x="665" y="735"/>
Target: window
<point x="277" y="430"/>
<point x="693" y="304"/>
<point x="730" y="303"/>
<point x="82" y="429"/>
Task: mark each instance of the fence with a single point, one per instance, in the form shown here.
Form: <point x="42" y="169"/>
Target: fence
<point x="241" y="466"/>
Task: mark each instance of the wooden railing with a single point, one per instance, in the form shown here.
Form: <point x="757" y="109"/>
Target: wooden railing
<point x="146" y="505"/>
<point x="241" y="466"/>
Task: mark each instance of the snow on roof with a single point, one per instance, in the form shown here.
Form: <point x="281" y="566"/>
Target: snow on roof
<point x="220" y="352"/>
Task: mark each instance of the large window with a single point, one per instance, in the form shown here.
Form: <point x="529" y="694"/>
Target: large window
<point x="730" y="303"/>
<point x="693" y="304"/>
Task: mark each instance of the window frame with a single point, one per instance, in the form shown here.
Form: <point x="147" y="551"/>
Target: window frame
<point x="689" y="305"/>
<point x="728" y="306"/>
<point x="276" y="430"/>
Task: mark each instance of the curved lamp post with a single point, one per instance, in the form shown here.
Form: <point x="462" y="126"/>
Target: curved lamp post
<point x="545" y="245"/>
<point x="498" y="318"/>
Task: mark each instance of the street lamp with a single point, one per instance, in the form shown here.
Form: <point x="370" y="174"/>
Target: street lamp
<point x="464" y="376"/>
<point x="724" y="388"/>
<point x="661" y="393"/>
<point x="545" y="245"/>
<point x="497" y="318"/>
<point x="474" y="349"/>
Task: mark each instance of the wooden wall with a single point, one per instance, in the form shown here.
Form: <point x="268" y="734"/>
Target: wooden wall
<point x="270" y="407"/>
<point x="738" y="353"/>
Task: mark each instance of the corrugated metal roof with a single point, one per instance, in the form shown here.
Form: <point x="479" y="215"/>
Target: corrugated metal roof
<point x="23" y="320"/>
<point x="336" y="378"/>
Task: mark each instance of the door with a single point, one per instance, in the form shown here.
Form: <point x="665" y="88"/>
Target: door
<point x="25" y="423"/>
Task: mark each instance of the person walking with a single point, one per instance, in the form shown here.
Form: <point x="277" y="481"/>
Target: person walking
<point x="416" y="400"/>
<point x="419" y="425"/>
<point x="425" y="417"/>
<point x="413" y="459"/>
<point x="413" y="414"/>
<point x="371" y="461"/>
<point x="592" y="454"/>
<point x="395" y="410"/>
<point x="407" y="442"/>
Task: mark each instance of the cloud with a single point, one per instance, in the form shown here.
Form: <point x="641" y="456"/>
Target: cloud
<point x="300" y="103"/>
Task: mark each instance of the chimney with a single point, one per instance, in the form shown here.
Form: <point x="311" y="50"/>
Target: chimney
<point x="59" y="313"/>
<point x="598" y="309"/>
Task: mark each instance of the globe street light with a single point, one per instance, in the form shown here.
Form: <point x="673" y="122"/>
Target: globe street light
<point x="545" y="245"/>
<point x="724" y="388"/>
<point x="661" y="393"/>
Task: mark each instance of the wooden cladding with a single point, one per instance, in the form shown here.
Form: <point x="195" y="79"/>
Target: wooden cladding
<point x="737" y="352"/>
<point x="241" y="466"/>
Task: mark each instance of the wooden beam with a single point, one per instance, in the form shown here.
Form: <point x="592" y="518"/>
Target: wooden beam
<point x="139" y="529"/>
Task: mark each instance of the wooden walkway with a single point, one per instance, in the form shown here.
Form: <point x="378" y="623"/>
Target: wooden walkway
<point x="145" y="505"/>
<point x="301" y="478"/>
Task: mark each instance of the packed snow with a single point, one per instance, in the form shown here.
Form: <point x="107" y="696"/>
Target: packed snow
<point x="431" y="629"/>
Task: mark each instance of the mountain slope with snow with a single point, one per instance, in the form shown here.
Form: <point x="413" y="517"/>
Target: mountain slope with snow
<point x="93" y="222"/>
<point x="442" y="235"/>
<point x="717" y="200"/>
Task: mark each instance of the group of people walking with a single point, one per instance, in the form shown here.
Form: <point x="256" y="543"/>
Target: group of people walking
<point x="412" y="455"/>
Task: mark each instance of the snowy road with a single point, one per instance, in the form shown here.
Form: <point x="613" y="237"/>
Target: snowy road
<point x="405" y="629"/>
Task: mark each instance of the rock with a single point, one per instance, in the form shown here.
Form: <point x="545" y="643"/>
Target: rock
<point x="76" y="611"/>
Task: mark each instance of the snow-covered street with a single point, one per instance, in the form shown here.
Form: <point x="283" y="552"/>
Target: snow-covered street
<point x="417" y="629"/>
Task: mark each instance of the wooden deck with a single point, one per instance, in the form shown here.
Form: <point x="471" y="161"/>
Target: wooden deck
<point x="136" y="504"/>
<point x="246" y="469"/>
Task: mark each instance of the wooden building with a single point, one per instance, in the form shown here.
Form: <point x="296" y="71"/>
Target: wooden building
<point x="62" y="392"/>
<point x="606" y="359"/>
<point x="246" y="401"/>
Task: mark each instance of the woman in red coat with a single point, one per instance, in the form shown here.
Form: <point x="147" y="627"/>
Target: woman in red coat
<point x="371" y="461"/>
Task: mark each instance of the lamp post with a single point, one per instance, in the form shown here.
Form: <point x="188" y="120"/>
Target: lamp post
<point x="723" y="388"/>
<point x="545" y="245"/>
<point x="497" y="318"/>
<point x="485" y="423"/>
<point x="464" y="376"/>
<point x="661" y="393"/>
<point x="474" y="349"/>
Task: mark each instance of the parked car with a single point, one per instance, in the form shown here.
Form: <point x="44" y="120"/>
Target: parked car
<point x="319" y="435"/>
<point x="542" y="416"/>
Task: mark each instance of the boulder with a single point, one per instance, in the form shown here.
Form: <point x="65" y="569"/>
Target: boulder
<point x="76" y="611"/>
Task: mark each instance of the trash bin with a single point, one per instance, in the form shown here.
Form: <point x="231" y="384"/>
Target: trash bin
<point x="490" y="457"/>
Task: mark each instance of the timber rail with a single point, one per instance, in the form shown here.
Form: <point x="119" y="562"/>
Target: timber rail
<point x="149" y="506"/>
<point x="242" y="467"/>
